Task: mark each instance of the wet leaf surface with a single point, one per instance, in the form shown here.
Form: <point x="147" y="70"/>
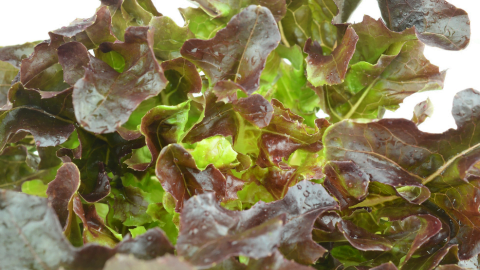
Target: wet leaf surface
<point x="103" y="91"/>
<point x="138" y="143"/>
<point x="438" y="23"/>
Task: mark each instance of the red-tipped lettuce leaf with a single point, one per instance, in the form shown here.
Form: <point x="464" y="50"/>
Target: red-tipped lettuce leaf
<point x="370" y="87"/>
<point x="52" y="132"/>
<point x="300" y="207"/>
<point x="183" y="79"/>
<point x="61" y="193"/>
<point x="162" y="126"/>
<point x="239" y="51"/>
<point x="227" y="8"/>
<point x="94" y="229"/>
<point x="330" y="69"/>
<point x="179" y="175"/>
<point x="104" y="99"/>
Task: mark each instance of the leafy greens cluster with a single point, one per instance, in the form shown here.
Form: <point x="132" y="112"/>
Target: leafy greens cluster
<point x="140" y="144"/>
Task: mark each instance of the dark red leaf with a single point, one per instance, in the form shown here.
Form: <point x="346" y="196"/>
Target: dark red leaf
<point x="47" y="129"/>
<point x="103" y="98"/>
<point x="180" y="176"/>
<point x="438" y="23"/>
<point x="239" y="51"/>
<point x="61" y="192"/>
<point x="330" y="69"/>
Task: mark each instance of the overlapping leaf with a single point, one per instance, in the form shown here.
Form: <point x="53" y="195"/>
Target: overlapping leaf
<point x="103" y="98"/>
<point x="239" y="51"/>
<point x="26" y="217"/>
<point x="183" y="79"/>
<point x="15" y="123"/>
<point x="285" y="134"/>
<point x="180" y="176"/>
<point x="232" y="233"/>
<point x="58" y="103"/>
<point x="369" y="88"/>
<point x="396" y="153"/>
<point x="147" y="141"/>
<point x="21" y="164"/>
<point x="42" y="70"/>
<point x="226" y="119"/>
<point x="330" y="69"/>
<point x="310" y="19"/>
<point x="31" y="236"/>
<point x="161" y="126"/>
<point x="227" y="8"/>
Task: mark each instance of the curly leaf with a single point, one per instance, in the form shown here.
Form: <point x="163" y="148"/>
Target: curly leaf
<point x="227" y="8"/>
<point x="183" y="79"/>
<point x="61" y="193"/>
<point x="330" y="69"/>
<point x="239" y="51"/>
<point x="371" y="31"/>
<point x="52" y="132"/>
<point x="370" y="87"/>
<point x="161" y="126"/>
<point x="204" y="220"/>
<point x="103" y="98"/>
<point x="396" y="153"/>
<point x="180" y="176"/>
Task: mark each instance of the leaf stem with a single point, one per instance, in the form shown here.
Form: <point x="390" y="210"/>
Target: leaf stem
<point x="448" y="163"/>
<point x="282" y="34"/>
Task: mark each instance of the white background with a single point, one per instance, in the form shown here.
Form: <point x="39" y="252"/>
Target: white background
<point x="29" y="20"/>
